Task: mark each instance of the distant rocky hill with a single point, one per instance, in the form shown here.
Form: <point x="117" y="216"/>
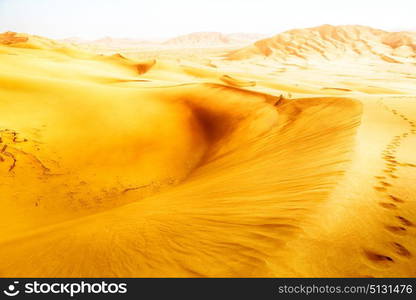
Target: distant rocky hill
<point x="329" y="42"/>
<point x="212" y="39"/>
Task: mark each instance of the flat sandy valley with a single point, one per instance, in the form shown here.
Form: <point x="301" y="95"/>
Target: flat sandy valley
<point x="291" y="156"/>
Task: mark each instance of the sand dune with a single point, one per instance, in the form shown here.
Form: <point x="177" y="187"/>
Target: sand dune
<point x="109" y="45"/>
<point x="334" y="42"/>
<point x="138" y="164"/>
<point x="235" y="82"/>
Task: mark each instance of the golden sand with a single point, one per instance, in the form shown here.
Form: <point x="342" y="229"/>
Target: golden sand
<point x="208" y="162"/>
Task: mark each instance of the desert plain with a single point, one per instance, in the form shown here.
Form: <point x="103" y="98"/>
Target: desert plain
<point x="287" y="156"/>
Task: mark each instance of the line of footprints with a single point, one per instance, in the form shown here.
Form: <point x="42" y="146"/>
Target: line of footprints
<point x="393" y="202"/>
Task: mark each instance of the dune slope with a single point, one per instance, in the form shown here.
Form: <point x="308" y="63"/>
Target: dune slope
<point x="126" y="165"/>
<point x="329" y="42"/>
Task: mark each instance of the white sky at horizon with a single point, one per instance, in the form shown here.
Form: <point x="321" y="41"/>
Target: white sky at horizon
<point x="93" y="19"/>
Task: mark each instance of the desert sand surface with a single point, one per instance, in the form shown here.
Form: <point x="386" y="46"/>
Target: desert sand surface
<point x="294" y="156"/>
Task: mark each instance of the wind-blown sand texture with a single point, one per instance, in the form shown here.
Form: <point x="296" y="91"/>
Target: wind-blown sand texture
<point x="273" y="160"/>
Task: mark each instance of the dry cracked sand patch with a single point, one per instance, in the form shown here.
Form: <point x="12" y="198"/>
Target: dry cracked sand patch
<point x="177" y="163"/>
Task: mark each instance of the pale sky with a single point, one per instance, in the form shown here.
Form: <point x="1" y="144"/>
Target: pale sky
<point x="92" y="19"/>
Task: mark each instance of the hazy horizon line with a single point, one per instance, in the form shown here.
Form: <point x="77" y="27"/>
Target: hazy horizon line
<point x="165" y="38"/>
